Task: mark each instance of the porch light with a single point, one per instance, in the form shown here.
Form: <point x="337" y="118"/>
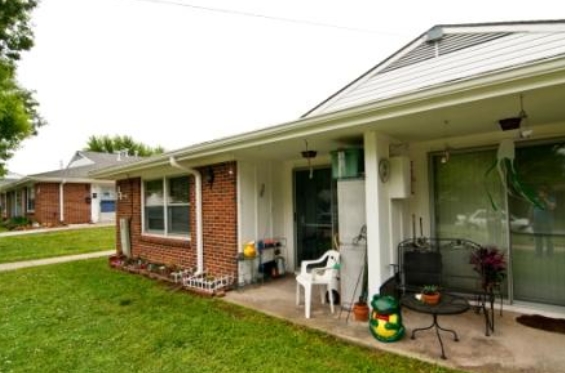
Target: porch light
<point x="210" y="176"/>
<point x="309" y="155"/>
<point x="445" y="156"/>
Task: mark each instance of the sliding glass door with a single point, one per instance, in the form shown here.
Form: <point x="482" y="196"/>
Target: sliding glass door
<point x="520" y="209"/>
<point x="538" y="252"/>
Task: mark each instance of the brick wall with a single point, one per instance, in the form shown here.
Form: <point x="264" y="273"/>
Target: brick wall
<point x="219" y="215"/>
<point x="76" y="202"/>
<point x="47" y="203"/>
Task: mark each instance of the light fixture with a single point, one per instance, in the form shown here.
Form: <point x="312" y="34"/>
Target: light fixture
<point x="309" y="155"/>
<point x="210" y="176"/>
<point x="512" y="123"/>
<point x="445" y="156"/>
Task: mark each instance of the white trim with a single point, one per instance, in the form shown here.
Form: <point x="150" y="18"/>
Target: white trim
<point x="27" y="189"/>
<point x="27" y="179"/>
<point x="538" y="74"/>
<point x="510" y="28"/>
<point x="62" y="201"/>
<point x="166" y="233"/>
<point x="199" y="221"/>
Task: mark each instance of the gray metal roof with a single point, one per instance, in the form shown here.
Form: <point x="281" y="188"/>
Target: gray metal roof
<point x="448" y="53"/>
<point x="100" y="161"/>
<point x="86" y="162"/>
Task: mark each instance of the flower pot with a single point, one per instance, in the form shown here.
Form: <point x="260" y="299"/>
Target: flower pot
<point x="361" y="312"/>
<point x="431" y="298"/>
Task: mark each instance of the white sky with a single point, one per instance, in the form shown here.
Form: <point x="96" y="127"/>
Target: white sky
<point x="175" y="75"/>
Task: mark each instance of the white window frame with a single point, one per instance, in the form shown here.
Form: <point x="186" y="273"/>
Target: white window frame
<point x="166" y="204"/>
<point x="30" y="190"/>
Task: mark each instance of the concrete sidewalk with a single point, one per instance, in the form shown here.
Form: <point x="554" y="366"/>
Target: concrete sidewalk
<point x="60" y="259"/>
<point x="55" y="229"/>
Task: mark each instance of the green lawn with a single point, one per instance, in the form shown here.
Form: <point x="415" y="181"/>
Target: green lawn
<point x="85" y="317"/>
<point x="50" y="244"/>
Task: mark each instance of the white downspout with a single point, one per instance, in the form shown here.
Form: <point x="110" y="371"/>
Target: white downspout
<point x="62" y="201"/>
<point x="198" y="198"/>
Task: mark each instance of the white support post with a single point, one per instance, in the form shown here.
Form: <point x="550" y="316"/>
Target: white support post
<point x="378" y="212"/>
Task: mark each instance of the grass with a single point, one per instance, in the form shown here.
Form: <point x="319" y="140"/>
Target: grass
<point x="59" y="243"/>
<point x="85" y="317"/>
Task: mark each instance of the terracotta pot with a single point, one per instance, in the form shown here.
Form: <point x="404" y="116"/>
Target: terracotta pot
<point x="431" y="298"/>
<point x="361" y="312"/>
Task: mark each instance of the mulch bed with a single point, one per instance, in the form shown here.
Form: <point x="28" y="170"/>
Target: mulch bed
<point x="542" y="322"/>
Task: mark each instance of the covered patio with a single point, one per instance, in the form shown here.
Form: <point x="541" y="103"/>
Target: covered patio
<point x="512" y="348"/>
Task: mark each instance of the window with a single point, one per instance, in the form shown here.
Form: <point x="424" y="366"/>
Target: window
<point x="30" y="193"/>
<point x="167" y="213"/>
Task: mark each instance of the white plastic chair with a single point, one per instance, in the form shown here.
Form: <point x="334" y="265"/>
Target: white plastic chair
<point x="324" y="276"/>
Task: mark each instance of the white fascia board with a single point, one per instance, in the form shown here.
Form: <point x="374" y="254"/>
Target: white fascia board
<point x="515" y="27"/>
<point x="16" y="183"/>
<point x="535" y="75"/>
<point x="69" y="180"/>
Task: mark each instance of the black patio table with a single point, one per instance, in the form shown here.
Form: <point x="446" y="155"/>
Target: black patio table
<point x="448" y="305"/>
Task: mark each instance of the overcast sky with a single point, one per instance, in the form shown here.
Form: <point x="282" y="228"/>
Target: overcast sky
<point x="179" y="72"/>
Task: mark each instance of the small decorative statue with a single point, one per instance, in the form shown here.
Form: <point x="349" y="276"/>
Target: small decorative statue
<point x="386" y="320"/>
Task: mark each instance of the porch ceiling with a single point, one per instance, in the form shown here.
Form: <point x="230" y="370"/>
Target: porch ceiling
<point x="543" y="106"/>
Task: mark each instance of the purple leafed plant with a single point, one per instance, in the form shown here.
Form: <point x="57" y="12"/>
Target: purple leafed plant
<point x="490" y="263"/>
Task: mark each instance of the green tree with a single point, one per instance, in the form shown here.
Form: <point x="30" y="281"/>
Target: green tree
<point x="107" y="144"/>
<point x="19" y="117"/>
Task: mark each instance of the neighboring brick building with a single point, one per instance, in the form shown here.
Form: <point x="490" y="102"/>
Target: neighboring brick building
<point x="65" y="196"/>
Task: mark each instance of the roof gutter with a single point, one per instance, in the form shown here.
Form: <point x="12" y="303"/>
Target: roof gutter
<point x="198" y="196"/>
<point x="32" y="179"/>
<point x="438" y="96"/>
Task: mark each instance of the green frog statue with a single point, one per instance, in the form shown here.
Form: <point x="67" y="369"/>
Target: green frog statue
<point x="386" y="321"/>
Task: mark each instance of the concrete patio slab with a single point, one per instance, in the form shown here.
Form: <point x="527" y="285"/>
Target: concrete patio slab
<point x="512" y="348"/>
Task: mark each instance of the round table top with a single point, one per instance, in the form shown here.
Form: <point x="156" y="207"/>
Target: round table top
<point x="448" y="304"/>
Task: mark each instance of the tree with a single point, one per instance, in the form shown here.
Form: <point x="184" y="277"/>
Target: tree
<point x="15" y="34"/>
<point x="19" y="117"/>
<point x="107" y="144"/>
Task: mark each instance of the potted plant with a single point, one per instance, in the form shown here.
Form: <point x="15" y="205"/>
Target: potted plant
<point x="490" y="263"/>
<point x="430" y="294"/>
<point x="361" y="308"/>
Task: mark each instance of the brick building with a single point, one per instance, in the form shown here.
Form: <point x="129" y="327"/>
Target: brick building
<point x="463" y="118"/>
<point x="65" y="196"/>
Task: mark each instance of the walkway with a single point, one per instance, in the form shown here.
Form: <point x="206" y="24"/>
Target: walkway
<point x="60" y="259"/>
<point x="55" y="229"/>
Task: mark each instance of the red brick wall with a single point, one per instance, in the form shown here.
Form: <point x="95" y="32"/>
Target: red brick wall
<point x="219" y="212"/>
<point x="219" y="215"/>
<point x="77" y="203"/>
<point x="77" y="207"/>
<point x="47" y="203"/>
